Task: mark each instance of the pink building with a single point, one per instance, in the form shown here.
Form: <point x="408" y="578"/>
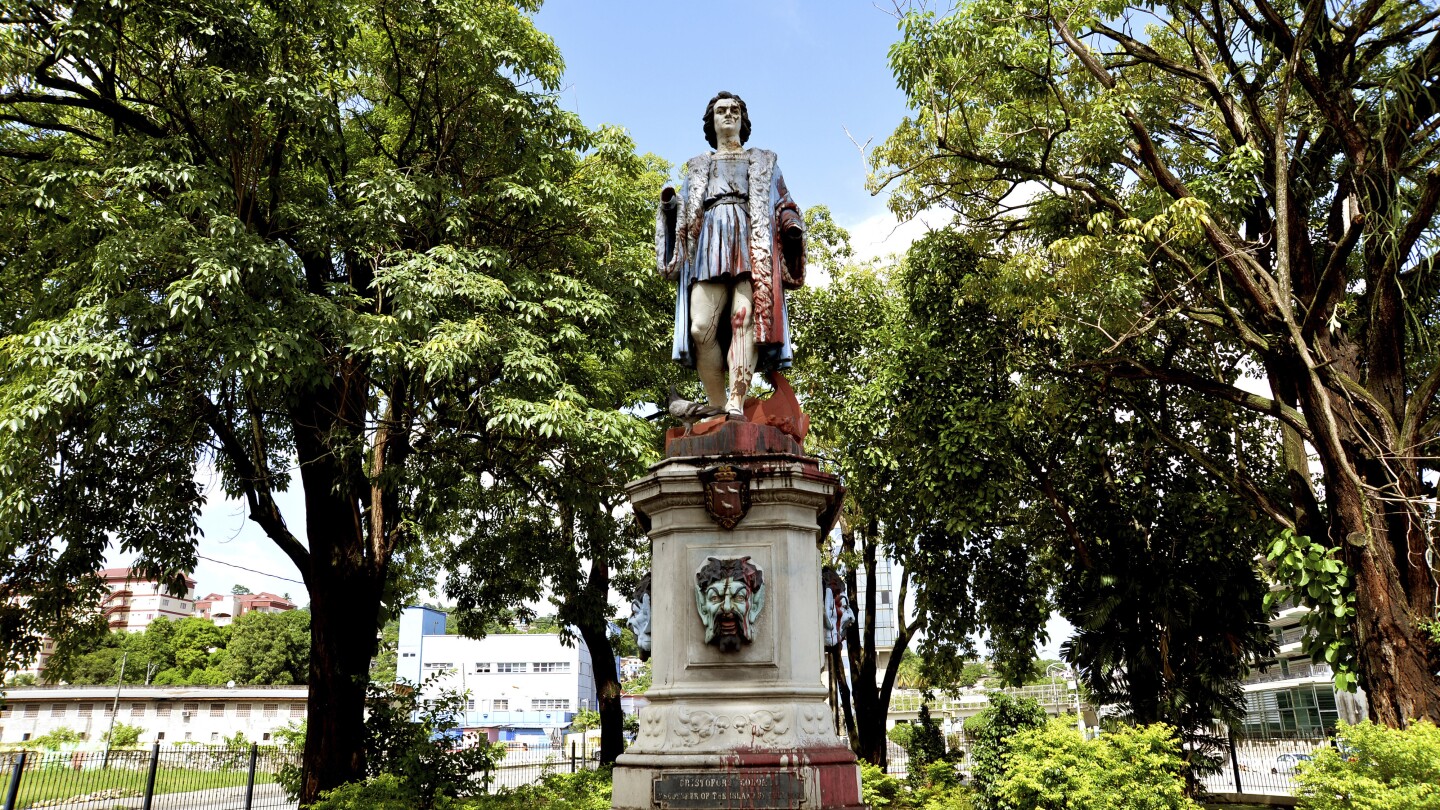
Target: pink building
<point x="134" y="601"/>
<point x="223" y="609"/>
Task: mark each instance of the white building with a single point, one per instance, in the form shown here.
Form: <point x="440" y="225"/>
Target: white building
<point x="1288" y="696"/>
<point x="519" y="687"/>
<point x="167" y="714"/>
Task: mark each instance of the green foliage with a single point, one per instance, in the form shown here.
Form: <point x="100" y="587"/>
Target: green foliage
<point x="582" y="790"/>
<point x="123" y="735"/>
<point x="927" y="743"/>
<point x="382" y="666"/>
<point x="879" y="789"/>
<point x="269" y="648"/>
<point x="1129" y="768"/>
<point x="1164" y="203"/>
<point x="585" y="719"/>
<point x="415" y="741"/>
<point x="640" y="684"/>
<point x="1375" y="768"/>
<point x="57" y="738"/>
<point x="902" y="734"/>
<point x="1312" y="575"/>
<point x="991" y="733"/>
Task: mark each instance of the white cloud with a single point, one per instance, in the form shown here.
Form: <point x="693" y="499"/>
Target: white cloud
<point x="882" y="235"/>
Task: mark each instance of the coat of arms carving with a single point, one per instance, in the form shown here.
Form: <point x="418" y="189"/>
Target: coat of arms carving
<point x="727" y="494"/>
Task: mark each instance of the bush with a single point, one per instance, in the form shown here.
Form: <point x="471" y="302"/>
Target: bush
<point x="56" y="739"/>
<point x="583" y="790"/>
<point x="990" y="733"/>
<point x="879" y="789"/>
<point x="1132" y="768"/>
<point x="123" y="736"/>
<point x="1375" y="768"/>
<point x="384" y="792"/>
<point x="416" y="741"/>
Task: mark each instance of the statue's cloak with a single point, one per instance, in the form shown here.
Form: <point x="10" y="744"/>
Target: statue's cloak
<point x="771" y="270"/>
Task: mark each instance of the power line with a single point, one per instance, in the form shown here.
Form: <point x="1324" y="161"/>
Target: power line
<point x="251" y="570"/>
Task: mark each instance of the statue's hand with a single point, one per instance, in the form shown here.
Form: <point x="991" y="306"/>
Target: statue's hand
<point x="671" y="271"/>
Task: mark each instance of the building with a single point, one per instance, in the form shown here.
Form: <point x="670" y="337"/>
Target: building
<point x="222" y="609"/>
<point x="519" y="687"/>
<point x="167" y="714"/>
<point x="134" y="601"/>
<point x="1288" y="696"/>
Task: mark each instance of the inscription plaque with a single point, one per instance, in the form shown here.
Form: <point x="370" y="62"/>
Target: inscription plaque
<point x="712" y="790"/>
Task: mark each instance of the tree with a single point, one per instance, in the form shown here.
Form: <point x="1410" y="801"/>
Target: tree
<point x="990" y="733"/>
<point x="352" y="248"/>
<point x="269" y="648"/>
<point x="239" y="589"/>
<point x="848" y="335"/>
<point x="1259" y="177"/>
<point x="123" y="736"/>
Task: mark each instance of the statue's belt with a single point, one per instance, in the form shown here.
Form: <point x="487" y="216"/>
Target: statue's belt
<point x="728" y="198"/>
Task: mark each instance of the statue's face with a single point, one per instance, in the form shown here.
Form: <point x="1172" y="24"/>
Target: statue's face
<point x="727" y="117"/>
<point x="838" y="615"/>
<point x="726" y="606"/>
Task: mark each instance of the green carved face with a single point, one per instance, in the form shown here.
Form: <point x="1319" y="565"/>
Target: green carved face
<point x="728" y="609"/>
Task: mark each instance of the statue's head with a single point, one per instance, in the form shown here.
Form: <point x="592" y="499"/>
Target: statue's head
<point x="729" y="595"/>
<point x="710" y="132"/>
<point x="838" y="613"/>
<point x="639" y="620"/>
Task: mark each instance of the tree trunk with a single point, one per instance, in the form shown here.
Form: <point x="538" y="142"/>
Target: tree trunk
<point x="607" y="688"/>
<point x="344" y="615"/>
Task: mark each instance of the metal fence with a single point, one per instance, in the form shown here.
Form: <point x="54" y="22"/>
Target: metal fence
<point x="518" y="768"/>
<point x="169" y="778"/>
<point x="1262" y="767"/>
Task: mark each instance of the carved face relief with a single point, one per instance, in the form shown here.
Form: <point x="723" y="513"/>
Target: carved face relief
<point x="639" y="620"/>
<point x="838" y="614"/>
<point x="729" y="595"/>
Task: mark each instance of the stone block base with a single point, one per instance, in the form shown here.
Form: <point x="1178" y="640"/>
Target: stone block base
<point x="788" y="779"/>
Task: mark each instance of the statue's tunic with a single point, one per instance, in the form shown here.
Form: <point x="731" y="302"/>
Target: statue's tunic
<point x="725" y="229"/>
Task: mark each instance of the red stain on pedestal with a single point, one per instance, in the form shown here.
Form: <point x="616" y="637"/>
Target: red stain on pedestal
<point x="780" y="413"/>
<point x="834" y="769"/>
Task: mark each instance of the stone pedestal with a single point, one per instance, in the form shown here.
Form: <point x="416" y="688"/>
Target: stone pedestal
<point x="748" y="728"/>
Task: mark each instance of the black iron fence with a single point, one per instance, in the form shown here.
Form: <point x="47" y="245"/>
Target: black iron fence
<point x="525" y="767"/>
<point x="1262" y="767"/>
<point x="170" y="778"/>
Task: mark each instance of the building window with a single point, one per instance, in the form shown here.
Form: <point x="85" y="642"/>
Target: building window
<point x="162" y="709"/>
<point x="552" y="666"/>
<point x="159" y="736"/>
<point x="242" y="709"/>
<point x="481" y="669"/>
<point x="439" y="665"/>
<point x="550" y="705"/>
<point x="214" y="736"/>
<point x="187" y="735"/>
<point x="192" y="709"/>
<point x="32" y="710"/>
<point x="469" y="705"/>
<point x="272" y="709"/>
<point x="265" y="737"/>
<point x="137" y="709"/>
<point x="217" y="709"/>
<point x="58" y="709"/>
<point x="407" y="655"/>
<point x="500" y="705"/>
<point x="515" y="667"/>
<point x="108" y="708"/>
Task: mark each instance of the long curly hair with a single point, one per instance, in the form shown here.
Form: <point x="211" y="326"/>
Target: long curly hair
<point x="710" y="137"/>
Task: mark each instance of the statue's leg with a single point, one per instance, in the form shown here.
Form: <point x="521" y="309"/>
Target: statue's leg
<point x="707" y="307"/>
<point x="742" y="345"/>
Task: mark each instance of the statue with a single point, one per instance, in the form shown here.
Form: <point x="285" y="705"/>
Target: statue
<point x="838" y="614"/>
<point x="639" y="620"/>
<point x="729" y="594"/>
<point x="735" y="241"/>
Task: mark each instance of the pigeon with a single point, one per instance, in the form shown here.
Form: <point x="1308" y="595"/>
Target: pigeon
<point x="690" y="412"/>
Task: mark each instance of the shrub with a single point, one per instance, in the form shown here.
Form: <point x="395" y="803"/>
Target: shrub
<point x="990" y="733"/>
<point x="123" y="736"/>
<point x="1131" y="768"/>
<point x="879" y="789"/>
<point x="901" y="734"/>
<point x="59" y="737"/>
<point x="385" y="792"/>
<point x="582" y="790"/>
<point x="1376" y="768"/>
<point x="416" y="741"/>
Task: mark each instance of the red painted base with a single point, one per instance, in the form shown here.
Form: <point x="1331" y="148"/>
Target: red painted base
<point x="834" y="769"/>
<point x="773" y="425"/>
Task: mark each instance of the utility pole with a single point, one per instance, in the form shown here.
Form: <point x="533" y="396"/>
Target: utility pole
<point x="115" y="709"/>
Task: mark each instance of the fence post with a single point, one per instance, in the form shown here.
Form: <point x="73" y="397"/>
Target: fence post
<point x="250" y="779"/>
<point x="572" y="756"/>
<point x="1235" y="762"/>
<point x="12" y="795"/>
<point x="150" y="777"/>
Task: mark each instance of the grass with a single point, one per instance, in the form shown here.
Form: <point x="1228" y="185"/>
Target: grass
<point x="48" y="784"/>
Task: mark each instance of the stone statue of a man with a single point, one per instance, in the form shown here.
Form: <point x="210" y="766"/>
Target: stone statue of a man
<point x="735" y="241"/>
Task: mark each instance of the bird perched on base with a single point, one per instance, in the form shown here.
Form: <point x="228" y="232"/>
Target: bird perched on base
<point x="690" y="412"/>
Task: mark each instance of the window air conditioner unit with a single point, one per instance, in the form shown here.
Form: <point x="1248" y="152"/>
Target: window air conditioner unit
<point x="185" y="715"/>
